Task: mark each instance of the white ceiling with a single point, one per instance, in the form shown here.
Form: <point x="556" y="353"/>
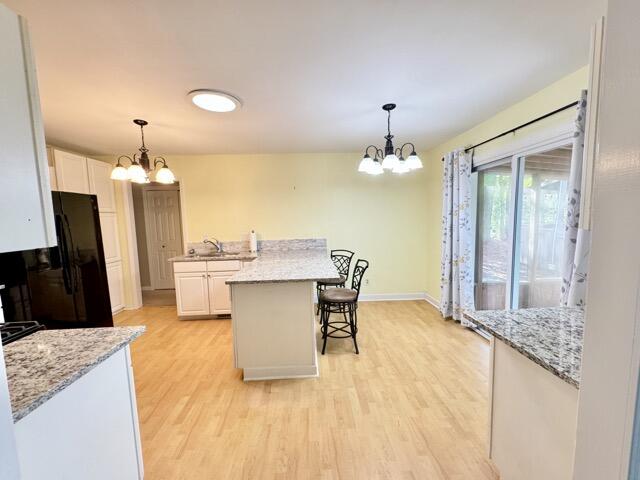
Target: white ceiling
<point x="312" y="73"/>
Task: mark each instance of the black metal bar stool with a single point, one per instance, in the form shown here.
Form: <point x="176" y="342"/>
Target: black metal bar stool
<point x="343" y="301"/>
<point x="342" y="260"/>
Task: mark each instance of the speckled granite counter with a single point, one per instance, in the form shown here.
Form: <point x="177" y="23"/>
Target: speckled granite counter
<point x="296" y="265"/>
<point x="46" y="362"/>
<point x="551" y="337"/>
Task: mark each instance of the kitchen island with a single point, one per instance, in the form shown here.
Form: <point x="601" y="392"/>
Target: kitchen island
<point x="272" y="300"/>
<point x="74" y="405"/>
<point x="533" y="389"/>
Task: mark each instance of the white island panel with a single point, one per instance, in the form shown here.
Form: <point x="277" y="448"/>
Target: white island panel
<point x="274" y="330"/>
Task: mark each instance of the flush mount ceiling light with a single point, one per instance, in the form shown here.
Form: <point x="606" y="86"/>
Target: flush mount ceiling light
<point x="214" y="100"/>
<point x="138" y="171"/>
<point x="390" y="158"/>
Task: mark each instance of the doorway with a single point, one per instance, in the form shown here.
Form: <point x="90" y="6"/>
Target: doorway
<point x="159" y="237"/>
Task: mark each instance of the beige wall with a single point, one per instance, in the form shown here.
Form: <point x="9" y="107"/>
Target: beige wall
<point x="552" y="97"/>
<point x="392" y="221"/>
<point x="312" y="195"/>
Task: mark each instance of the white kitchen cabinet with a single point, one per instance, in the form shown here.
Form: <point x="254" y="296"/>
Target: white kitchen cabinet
<point x="201" y="288"/>
<point x="101" y="185"/>
<point x="219" y="293"/>
<point x="110" y="241"/>
<point x="192" y="294"/>
<point x="24" y="184"/>
<point x="116" y="286"/>
<point x="72" y="172"/>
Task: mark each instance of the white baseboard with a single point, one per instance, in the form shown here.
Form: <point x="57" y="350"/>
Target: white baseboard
<point x="391" y="297"/>
<point x="432" y="300"/>
<point x="132" y="307"/>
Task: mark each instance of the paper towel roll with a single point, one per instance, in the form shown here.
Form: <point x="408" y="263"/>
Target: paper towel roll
<point x="253" y="241"/>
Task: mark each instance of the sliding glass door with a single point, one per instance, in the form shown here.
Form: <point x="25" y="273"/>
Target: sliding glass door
<point x="521" y="210"/>
<point x="493" y="235"/>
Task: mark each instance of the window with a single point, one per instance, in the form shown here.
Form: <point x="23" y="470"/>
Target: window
<point x="519" y="247"/>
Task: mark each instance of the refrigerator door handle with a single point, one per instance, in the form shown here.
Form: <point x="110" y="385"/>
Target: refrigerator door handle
<point x="73" y="270"/>
<point x="64" y="254"/>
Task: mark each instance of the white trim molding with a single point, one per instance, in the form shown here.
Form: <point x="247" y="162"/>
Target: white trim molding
<point x="528" y="144"/>
<point x="132" y="244"/>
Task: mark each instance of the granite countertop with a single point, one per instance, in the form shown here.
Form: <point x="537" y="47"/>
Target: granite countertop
<point x="46" y="362"/>
<point x="551" y="337"/>
<point x="296" y="265"/>
<point x="216" y="258"/>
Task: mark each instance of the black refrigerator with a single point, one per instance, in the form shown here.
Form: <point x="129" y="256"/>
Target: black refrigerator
<point x="64" y="286"/>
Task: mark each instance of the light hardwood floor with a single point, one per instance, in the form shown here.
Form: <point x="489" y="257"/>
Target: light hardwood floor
<point x="412" y="405"/>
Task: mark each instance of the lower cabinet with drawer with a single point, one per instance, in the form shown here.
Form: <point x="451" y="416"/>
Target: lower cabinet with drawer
<point x="201" y="289"/>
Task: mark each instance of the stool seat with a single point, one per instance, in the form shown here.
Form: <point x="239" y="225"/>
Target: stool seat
<point x="339" y="281"/>
<point x="338" y="295"/>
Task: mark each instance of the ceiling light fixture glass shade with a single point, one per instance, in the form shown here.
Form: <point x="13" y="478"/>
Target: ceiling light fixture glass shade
<point x="119" y="172"/>
<point x="365" y="164"/>
<point x="414" y="162"/>
<point x="401" y="167"/>
<point x="390" y="162"/>
<point x="138" y="171"/>
<point x="376" y="168"/>
<point x="164" y="175"/>
<point x="215" y="100"/>
<point x="392" y="158"/>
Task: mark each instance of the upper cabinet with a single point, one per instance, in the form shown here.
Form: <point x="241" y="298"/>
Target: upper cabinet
<point x="72" y="172"/>
<point x="100" y="183"/>
<point x="24" y="183"/>
<point x="78" y="174"/>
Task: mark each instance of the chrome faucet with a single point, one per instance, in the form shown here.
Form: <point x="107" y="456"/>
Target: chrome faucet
<point x="216" y="243"/>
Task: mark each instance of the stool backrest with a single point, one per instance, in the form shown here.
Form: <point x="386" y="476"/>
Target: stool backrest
<point x="342" y="260"/>
<point x="358" y="273"/>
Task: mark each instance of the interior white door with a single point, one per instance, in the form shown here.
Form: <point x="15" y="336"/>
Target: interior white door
<point x="192" y="295"/>
<point x="164" y="234"/>
<point x="71" y="172"/>
<point x="101" y="185"/>
<point x="219" y="293"/>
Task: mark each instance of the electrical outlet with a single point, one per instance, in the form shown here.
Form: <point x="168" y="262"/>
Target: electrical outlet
<point x="366" y="281"/>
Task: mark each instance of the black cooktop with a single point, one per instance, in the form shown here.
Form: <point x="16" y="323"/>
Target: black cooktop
<point x="12" y="331"/>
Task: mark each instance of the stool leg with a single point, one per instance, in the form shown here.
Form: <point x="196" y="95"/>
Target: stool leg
<point x="352" y="323"/>
<point x="318" y="297"/>
<point x="324" y="316"/>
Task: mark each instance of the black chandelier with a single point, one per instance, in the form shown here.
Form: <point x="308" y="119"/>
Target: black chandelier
<point x="138" y="171"/>
<point x="390" y="158"/>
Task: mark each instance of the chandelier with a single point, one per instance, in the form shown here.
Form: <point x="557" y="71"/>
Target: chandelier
<point x="140" y="168"/>
<point x="389" y="158"/>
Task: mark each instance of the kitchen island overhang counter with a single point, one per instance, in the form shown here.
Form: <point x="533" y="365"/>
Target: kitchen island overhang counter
<point x="74" y="404"/>
<point x="273" y="316"/>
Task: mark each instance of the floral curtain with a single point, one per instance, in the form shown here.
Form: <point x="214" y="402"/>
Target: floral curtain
<point x="577" y="241"/>
<point x="456" y="265"/>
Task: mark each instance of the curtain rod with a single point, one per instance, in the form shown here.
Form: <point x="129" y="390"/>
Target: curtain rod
<point x="513" y="130"/>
